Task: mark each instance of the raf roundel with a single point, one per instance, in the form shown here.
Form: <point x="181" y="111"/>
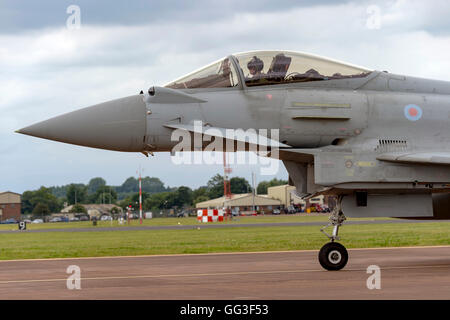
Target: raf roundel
<point x="413" y="112"/>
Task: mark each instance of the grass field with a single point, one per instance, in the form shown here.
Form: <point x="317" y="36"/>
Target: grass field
<point x="239" y="239"/>
<point x="182" y="221"/>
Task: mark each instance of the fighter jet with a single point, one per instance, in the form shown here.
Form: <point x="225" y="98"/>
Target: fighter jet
<point x="379" y="142"/>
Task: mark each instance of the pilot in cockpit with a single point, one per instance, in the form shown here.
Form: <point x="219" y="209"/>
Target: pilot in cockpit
<point x="255" y="66"/>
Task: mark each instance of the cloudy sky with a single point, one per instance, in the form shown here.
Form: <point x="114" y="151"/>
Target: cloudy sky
<point x="47" y="69"/>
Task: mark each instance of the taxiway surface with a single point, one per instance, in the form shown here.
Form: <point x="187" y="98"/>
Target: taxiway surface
<point x="406" y="273"/>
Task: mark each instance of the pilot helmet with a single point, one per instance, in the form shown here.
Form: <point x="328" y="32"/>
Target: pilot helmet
<point x="255" y="63"/>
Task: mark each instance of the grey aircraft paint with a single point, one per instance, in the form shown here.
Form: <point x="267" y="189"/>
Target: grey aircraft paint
<point x="379" y="140"/>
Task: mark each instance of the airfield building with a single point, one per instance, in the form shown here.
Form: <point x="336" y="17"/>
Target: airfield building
<point x="10" y="205"/>
<point x="241" y="203"/>
<point x="286" y="194"/>
<point x="277" y="197"/>
<point x="283" y="193"/>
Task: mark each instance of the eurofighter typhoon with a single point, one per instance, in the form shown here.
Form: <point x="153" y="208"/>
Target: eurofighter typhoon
<point x="379" y="142"/>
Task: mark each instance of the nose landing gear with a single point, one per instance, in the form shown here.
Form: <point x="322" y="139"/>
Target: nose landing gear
<point x="333" y="256"/>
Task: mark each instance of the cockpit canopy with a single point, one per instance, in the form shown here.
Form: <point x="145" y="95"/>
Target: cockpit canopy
<point x="268" y="68"/>
<point x="219" y="74"/>
<point x="278" y="67"/>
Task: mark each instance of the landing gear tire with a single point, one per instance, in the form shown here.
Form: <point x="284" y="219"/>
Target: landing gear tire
<point x="333" y="256"/>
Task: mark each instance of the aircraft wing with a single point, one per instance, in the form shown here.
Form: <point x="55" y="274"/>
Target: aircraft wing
<point x="251" y="137"/>
<point x="439" y="158"/>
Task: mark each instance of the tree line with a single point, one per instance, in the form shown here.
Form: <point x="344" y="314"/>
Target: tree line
<point x="155" y="196"/>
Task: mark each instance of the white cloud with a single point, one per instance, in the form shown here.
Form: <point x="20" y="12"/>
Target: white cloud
<point x="47" y="72"/>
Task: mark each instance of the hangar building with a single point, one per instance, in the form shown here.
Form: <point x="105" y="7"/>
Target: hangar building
<point x="286" y="194"/>
<point x="242" y="203"/>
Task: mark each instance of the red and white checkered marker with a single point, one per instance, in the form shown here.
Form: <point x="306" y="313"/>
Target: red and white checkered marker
<point x="210" y="215"/>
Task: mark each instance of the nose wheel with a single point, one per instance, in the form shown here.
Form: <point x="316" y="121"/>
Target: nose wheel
<point x="333" y="256"/>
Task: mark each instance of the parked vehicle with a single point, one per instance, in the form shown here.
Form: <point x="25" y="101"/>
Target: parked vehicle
<point x="37" y="221"/>
<point x="84" y="218"/>
<point x="74" y="219"/>
<point x="321" y="208"/>
<point x="9" y="221"/>
<point x="290" y="210"/>
<point x="276" y="211"/>
<point x="55" y="219"/>
<point x="183" y="214"/>
<point x="248" y="213"/>
<point x="105" y="218"/>
<point x="134" y="216"/>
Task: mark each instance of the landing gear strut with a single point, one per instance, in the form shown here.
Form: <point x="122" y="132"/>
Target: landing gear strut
<point x="333" y="255"/>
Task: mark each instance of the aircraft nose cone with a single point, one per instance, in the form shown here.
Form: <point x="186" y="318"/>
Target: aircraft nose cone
<point x="114" y="125"/>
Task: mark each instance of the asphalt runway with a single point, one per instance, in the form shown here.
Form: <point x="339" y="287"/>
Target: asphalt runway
<point x="406" y="273"/>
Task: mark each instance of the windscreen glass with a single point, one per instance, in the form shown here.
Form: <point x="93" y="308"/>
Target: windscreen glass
<point x="219" y="74"/>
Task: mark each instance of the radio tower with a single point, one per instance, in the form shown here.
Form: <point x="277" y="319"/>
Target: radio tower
<point x="226" y="185"/>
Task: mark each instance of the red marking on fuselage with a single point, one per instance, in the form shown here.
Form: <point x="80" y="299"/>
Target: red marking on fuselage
<point x="413" y="112"/>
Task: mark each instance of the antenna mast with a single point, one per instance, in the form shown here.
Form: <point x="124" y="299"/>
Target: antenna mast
<point x="226" y="184"/>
